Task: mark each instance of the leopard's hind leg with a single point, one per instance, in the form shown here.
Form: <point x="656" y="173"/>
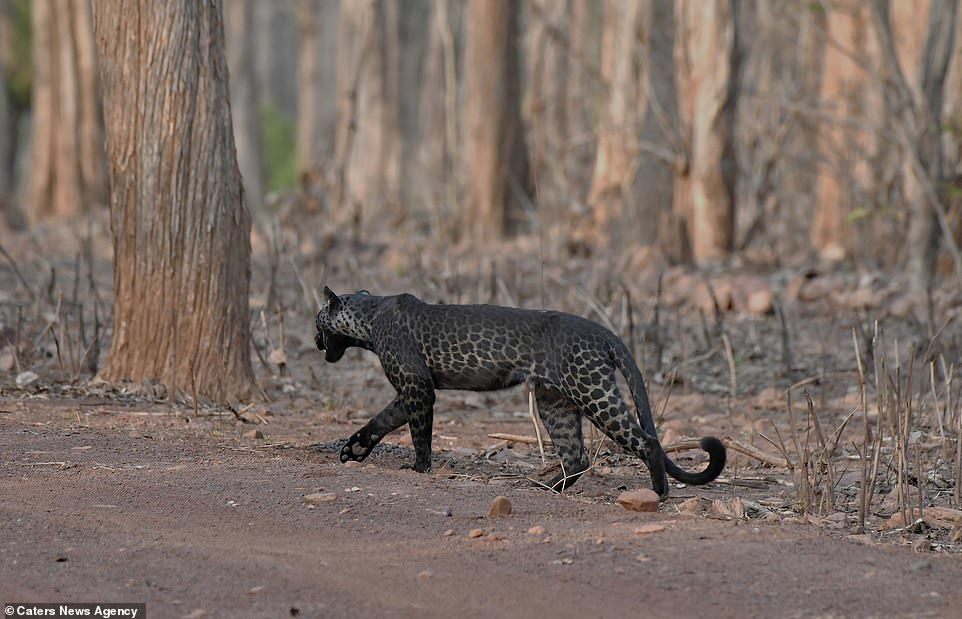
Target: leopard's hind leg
<point x="603" y="404"/>
<point x="562" y="419"/>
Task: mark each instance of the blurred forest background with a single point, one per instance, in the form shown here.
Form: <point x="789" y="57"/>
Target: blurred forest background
<point x="597" y="143"/>
<point x="772" y="129"/>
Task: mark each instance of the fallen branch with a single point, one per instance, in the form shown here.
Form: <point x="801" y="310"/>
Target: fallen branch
<point x="519" y="438"/>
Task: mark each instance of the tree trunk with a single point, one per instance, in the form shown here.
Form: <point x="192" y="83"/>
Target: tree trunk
<point x="437" y="141"/>
<point x="843" y="86"/>
<point x="496" y="157"/>
<point x="705" y="74"/>
<point x="625" y="30"/>
<point x="914" y="95"/>
<point x="548" y="61"/>
<point x="368" y="142"/>
<point x="245" y="99"/>
<point x="181" y="230"/>
<point x="66" y="171"/>
<point x="7" y="126"/>
<point x="309" y="135"/>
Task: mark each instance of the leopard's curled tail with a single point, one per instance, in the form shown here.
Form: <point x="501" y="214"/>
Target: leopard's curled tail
<point x="716" y="450"/>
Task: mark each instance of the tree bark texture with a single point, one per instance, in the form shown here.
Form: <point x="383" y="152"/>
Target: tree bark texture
<point x="316" y="77"/>
<point x="181" y="230"/>
<point x="625" y="30"/>
<point x="7" y="126"/>
<point x="548" y="57"/>
<point x="705" y="75"/>
<point x="438" y="135"/>
<point x="368" y="136"/>
<point x="844" y="145"/>
<point x="495" y="163"/>
<point x="66" y="170"/>
<point x="245" y="98"/>
<point x="914" y="95"/>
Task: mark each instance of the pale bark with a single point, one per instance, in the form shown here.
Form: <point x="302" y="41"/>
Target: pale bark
<point x="844" y="144"/>
<point x="245" y="98"/>
<point x="914" y="95"/>
<point x="495" y="163"/>
<point x="625" y="27"/>
<point x="549" y="64"/>
<point x="368" y="136"/>
<point x="438" y="137"/>
<point x="181" y="230"/>
<point x="706" y="72"/>
<point x="7" y="126"/>
<point x="66" y="171"/>
<point x="310" y="137"/>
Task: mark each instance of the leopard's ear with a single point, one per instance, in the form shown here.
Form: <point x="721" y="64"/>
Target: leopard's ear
<point x="333" y="301"/>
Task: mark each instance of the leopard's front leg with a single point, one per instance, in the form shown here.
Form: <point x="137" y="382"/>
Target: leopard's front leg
<point x="361" y="443"/>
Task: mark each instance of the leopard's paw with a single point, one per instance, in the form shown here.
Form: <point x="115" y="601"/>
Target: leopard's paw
<point x="355" y="449"/>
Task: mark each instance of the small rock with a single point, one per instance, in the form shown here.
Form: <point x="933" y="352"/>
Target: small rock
<point x="643" y="500"/>
<point x="475" y="533"/>
<point x="760" y="302"/>
<point x="449" y="533"/>
<point x="500" y="506"/>
<point x="256" y="589"/>
<point x="646" y="529"/>
<point x="425" y="575"/>
<point x="536" y="530"/>
<point x="196" y="614"/>
<point x="26" y="378"/>
<point x="316" y="498"/>
<point x="253" y="434"/>
<point x="352" y="463"/>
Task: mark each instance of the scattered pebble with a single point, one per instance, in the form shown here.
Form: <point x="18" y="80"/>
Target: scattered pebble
<point x="352" y="463"/>
<point x="536" y="530"/>
<point x="253" y="434"/>
<point x="316" y="498"/>
<point x="449" y="533"/>
<point x="26" y="378"/>
<point x="500" y="506"/>
<point x="475" y="533"/>
<point x="425" y="575"/>
<point x="256" y="589"/>
<point x="643" y="500"/>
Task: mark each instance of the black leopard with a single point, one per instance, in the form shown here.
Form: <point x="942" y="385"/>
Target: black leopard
<point x="570" y="363"/>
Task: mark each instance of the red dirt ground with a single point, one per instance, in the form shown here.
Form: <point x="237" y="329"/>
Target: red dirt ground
<point x="112" y="500"/>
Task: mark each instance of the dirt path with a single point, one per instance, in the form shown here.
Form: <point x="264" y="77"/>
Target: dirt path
<point x="187" y="522"/>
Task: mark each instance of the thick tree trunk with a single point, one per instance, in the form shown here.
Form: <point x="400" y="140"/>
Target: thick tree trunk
<point x="66" y="171"/>
<point x="180" y="227"/>
<point x="496" y="157"/>
<point x="706" y="73"/>
<point x="245" y="98"/>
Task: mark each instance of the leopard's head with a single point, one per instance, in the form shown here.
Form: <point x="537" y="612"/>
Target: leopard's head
<point x="339" y="326"/>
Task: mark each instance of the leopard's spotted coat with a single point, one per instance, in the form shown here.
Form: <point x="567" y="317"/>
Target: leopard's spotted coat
<point x="569" y="361"/>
